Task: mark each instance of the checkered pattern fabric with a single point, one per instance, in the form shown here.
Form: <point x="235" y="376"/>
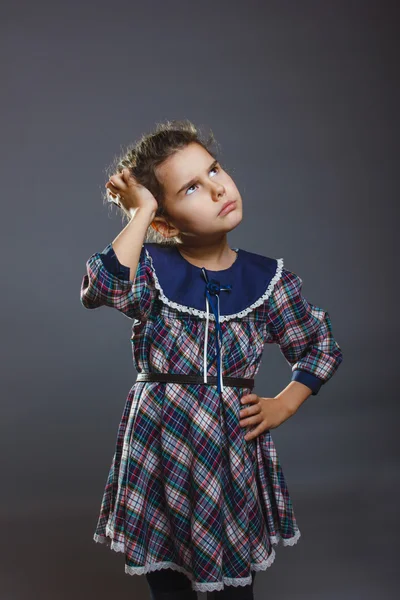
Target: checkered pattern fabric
<point x="185" y="490"/>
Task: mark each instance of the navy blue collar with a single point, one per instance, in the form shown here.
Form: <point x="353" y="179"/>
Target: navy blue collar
<point x="250" y="278"/>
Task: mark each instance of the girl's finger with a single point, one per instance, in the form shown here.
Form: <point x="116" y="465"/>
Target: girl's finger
<point x="251" y="420"/>
<point x="125" y="175"/>
<point x="113" y="194"/>
<point x="112" y="188"/>
<point x="249" y="398"/>
<point x="254" y="433"/>
<point x="113" y="197"/>
<point x="118" y="182"/>
<point x="253" y="409"/>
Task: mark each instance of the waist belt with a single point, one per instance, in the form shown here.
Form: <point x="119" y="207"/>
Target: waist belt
<point x="182" y="378"/>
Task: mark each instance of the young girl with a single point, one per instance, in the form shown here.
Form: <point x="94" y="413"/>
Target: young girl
<point x="195" y="496"/>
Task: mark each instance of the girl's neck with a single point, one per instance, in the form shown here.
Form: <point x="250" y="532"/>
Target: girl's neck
<point x="214" y="259"/>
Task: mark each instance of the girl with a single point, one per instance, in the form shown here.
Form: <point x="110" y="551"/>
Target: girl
<point x="195" y="496"/>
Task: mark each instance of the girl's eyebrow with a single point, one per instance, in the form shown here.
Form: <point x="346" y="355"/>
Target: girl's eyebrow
<point x="192" y="181"/>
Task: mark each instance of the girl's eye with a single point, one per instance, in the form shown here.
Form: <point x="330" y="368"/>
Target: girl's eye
<point x="213" y="169"/>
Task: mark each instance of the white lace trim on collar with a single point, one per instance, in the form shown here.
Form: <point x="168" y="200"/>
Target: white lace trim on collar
<point x="202" y="313"/>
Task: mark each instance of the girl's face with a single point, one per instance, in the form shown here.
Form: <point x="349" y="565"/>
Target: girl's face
<point x="196" y="188"/>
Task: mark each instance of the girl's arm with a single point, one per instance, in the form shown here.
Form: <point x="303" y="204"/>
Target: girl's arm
<point x="304" y="334"/>
<point x="128" y="244"/>
<point x="121" y="277"/>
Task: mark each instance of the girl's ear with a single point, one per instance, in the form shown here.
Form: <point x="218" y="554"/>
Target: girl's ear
<point x="167" y="230"/>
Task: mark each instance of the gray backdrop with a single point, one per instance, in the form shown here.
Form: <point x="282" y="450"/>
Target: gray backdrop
<point x="303" y="98"/>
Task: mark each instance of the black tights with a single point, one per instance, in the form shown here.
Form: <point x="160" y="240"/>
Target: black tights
<point x="168" y="584"/>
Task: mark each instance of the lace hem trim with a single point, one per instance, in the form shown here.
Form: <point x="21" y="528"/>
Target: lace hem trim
<point x="203" y="314"/>
<point x="197" y="586"/>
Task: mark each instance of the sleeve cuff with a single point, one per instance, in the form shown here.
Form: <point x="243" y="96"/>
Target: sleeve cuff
<point x="308" y="379"/>
<point x="112" y="264"/>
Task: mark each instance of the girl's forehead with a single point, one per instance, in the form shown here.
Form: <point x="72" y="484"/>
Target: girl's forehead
<point x="183" y="165"/>
<point x="189" y="158"/>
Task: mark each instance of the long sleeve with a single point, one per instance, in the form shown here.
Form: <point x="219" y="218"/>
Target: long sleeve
<point x="303" y="332"/>
<point x="112" y="264"/>
<point x="106" y="283"/>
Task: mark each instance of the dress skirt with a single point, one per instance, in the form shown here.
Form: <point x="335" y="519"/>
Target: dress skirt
<point x="186" y="491"/>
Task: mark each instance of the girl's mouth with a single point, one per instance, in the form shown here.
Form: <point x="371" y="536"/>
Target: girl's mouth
<point x="227" y="208"/>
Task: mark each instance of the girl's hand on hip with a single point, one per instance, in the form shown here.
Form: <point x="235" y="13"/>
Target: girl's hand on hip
<point x="265" y="413"/>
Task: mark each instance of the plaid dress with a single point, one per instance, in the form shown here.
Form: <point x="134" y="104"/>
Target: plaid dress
<point x="185" y="490"/>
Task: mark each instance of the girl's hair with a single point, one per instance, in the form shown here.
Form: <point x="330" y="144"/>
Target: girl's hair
<point x="150" y="151"/>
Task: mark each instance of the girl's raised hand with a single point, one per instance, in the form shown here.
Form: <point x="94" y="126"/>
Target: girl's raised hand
<point x="129" y="193"/>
